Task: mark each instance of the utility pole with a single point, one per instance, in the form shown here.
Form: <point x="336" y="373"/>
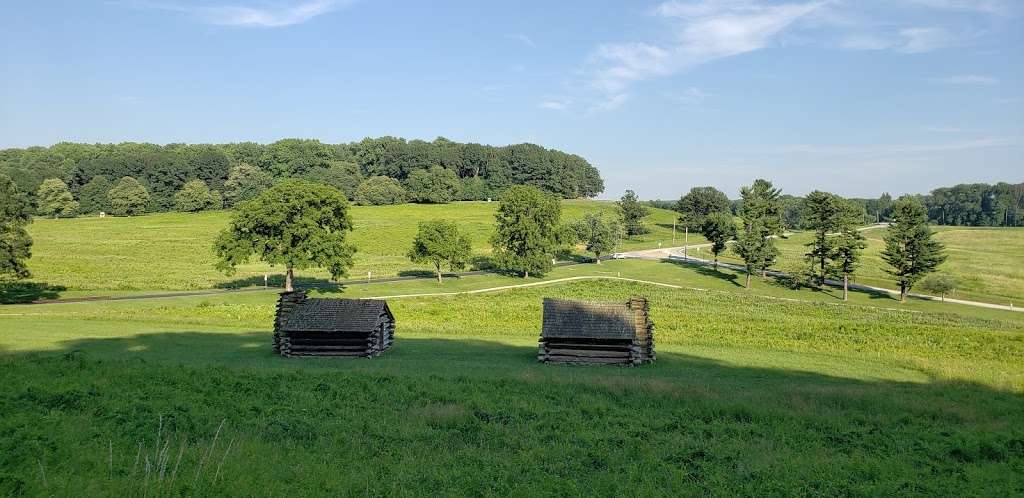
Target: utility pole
<point x="674" y="230"/>
<point x="686" y="241"/>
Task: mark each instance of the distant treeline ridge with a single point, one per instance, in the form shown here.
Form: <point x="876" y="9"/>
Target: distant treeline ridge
<point x="967" y="204"/>
<point x="437" y="171"/>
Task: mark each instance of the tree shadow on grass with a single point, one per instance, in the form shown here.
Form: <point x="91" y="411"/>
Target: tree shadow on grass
<point x="956" y="433"/>
<point x="707" y="270"/>
<point x="27" y="292"/>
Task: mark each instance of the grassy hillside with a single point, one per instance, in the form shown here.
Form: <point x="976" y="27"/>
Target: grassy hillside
<point x="172" y="251"/>
<point x="750" y="396"/>
<point x="988" y="262"/>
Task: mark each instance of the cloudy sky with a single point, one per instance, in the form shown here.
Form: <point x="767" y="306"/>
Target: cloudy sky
<point x="852" y="96"/>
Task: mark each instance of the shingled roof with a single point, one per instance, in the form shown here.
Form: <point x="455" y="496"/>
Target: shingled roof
<point x="336" y="315"/>
<point x="576" y="319"/>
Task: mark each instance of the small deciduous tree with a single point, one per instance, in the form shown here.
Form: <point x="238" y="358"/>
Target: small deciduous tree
<point x="245" y="182"/>
<point x="698" y="204"/>
<point x="910" y="250"/>
<point x="719" y="229"/>
<point x="379" y="191"/>
<point x="128" y="197"/>
<point x="54" y="199"/>
<point x="195" y="196"/>
<point x="527" y="231"/>
<point x="295" y="223"/>
<point x="632" y="214"/>
<point x="940" y="284"/>
<point x="434" y="186"/>
<point x="15" y="243"/>
<point x="600" y="236"/>
<point x="439" y="243"/>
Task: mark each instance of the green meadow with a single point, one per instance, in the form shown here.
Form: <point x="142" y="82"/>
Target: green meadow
<point x="758" y="393"/>
<point x="987" y="262"/>
<point x="172" y="251"/>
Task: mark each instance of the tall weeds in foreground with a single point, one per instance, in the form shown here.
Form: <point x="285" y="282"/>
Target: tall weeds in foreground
<point x="158" y="465"/>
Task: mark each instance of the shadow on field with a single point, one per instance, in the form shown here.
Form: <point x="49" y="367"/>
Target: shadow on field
<point x="276" y="281"/>
<point x="478" y="403"/>
<point x="26" y="292"/>
<point x="707" y="270"/>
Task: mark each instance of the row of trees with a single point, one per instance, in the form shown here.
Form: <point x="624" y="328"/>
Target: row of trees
<point x="299" y="224"/>
<point x="975" y="204"/>
<point x="435" y="172"/>
<point x="834" y="251"/>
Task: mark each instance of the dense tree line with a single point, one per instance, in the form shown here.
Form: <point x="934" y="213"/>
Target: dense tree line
<point x="969" y="204"/>
<point x="432" y="172"/>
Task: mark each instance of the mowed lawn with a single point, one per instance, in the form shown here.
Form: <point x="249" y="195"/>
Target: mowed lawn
<point x="781" y="395"/>
<point x="172" y="251"/>
<point x="988" y="262"/>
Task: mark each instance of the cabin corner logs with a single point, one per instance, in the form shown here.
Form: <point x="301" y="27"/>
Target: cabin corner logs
<point x="572" y="331"/>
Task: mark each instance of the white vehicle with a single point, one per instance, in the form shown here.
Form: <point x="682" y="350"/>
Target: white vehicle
<point x="618" y="255"/>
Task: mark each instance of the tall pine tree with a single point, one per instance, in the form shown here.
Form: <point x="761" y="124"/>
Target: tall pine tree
<point x="910" y="249"/>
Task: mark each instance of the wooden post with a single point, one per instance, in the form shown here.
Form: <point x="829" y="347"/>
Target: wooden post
<point x="686" y="241"/>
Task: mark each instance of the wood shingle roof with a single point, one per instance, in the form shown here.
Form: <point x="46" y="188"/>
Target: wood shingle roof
<point x="336" y="315"/>
<point x="575" y="319"/>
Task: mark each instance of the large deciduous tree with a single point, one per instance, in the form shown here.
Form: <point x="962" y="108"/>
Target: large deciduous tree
<point x="439" y="243"/>
<point x="296" y="224"/>
<point x="434" y="186"/>
<point x="15" y="243"/>
<point x="54" y="199"/>
<point x="599" y="235"/>
<point x="527" y="231"/>
<point x="910" y="249"/>
<point x="719" y="228"/>
<point x="698" y="204"/>
<point x="245" y="182"/>
<point x="632" y="214"/>
<point x="128" y="197"/>
<point x="344" y="176"/>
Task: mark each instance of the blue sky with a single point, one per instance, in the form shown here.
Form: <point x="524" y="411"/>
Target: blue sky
<point x="851" y="96"/>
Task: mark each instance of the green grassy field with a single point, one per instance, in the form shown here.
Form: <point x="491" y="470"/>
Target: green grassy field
<point x="988" y="262"/>
<point x="172" y="251"/>
<point x="762" y="392"/>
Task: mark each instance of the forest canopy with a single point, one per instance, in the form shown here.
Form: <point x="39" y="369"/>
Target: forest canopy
<point x="483" y="171"/>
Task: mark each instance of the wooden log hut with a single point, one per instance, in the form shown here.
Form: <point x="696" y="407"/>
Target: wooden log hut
<point x="332" y="327"/>
<point x="602" y="333"/>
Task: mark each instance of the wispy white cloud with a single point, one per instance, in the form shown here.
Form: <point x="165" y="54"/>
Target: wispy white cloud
<point x="690" y="96"/>
<point x="914" y="40"/>
<point x="704" y="30"/>
<point x="555" y="105"/>
<point x="262" y="15"/>
<point x="889" y="150"/>
<point x="609" y="103"/>
<point x="525" y="40"/>
<point x="969" y="79"/>
<point x="996" y="7"/>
